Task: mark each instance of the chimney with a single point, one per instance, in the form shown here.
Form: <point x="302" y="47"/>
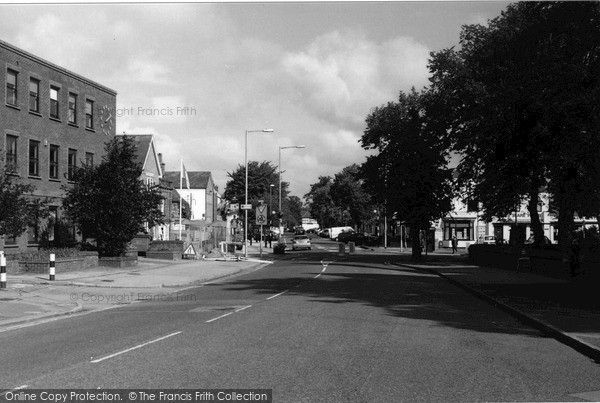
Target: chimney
<point x="162" y="164"/>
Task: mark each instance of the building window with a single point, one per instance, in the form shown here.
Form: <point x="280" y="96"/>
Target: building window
<point x="53" y="173"/>
<point x="34" y="158"/>
<point x="72" y="163"/>
<point x="34" y="95"/>
<point x="11" y="87"/>
<point x="463" y="229"/>
<point x="89" y="159"/>
<point x="10" y="240"/>
<point x="72" y="118"/>
<point x="11" y="153"/>
<point x="89" y="114"/>
<point x="54" y="104"/>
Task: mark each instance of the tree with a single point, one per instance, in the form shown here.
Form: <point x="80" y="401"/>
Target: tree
<point x="408" y="175"/>
<point x="320" y="203"/>
<point x="352" y="201"/>
<point x="519" y="101"/>
<point x="18" y="208"/>
<point x="260" y="177"/>
<point x="292" y="211"/>
<point x="109" y="202"/>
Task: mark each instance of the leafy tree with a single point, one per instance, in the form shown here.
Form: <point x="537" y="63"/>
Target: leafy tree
<point x="348" y="195"/>
<point x="320" y="203"/>
<point x="260" y="177"/>
<point x="519" y="101"/>
<point x="18" y="208"/>
<point x="292" y="211"/>
<point x="109" y="202"/>
<point x="408" y="175"/>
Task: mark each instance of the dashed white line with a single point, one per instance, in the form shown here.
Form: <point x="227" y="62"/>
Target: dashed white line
<point x="277" y="295"/>
<point x="227" y="314"/>
<point x="13" y="390"/>
<point x="134" y="348"/>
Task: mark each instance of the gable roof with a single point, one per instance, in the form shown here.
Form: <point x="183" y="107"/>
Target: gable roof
<point x="198" y="179"/>
<point x="145" y="147"/>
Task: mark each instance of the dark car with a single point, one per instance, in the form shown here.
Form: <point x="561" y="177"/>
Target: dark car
<point x="359" y="238"/>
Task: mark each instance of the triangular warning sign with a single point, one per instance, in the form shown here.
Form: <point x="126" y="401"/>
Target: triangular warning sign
<point x="190" y="250"/>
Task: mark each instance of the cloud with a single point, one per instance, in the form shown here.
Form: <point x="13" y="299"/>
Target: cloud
<point x="340" y="76"/>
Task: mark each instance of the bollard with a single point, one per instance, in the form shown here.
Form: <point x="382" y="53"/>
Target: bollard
<point x="2" y="270"/>
<point x="341" y="249"/>
<point x="351" y="247"/>
<point x="52" y="266"/>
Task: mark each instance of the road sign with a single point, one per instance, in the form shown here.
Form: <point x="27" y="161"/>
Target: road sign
<point x="246" y="206"/>
<point x="261" y="215"/>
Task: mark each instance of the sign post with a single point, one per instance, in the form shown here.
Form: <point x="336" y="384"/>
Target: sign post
<point x="261" y="219"/>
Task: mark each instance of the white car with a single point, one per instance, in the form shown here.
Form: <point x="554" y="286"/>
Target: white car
<point x="301" y="242"/>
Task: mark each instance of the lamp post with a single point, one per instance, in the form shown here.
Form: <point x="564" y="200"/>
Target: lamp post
<point x="246" y="190"/>
<point x="271" y="186"/>
<point x="280" y="172"/>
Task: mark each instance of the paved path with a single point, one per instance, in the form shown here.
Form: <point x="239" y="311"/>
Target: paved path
<point x="32" y="297"/>
<point x="565" y="308"/>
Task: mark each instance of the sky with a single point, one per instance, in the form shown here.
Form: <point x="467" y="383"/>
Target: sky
<point x="199" y="75"/>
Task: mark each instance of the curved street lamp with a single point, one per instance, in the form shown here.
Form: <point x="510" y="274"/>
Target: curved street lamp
<point x="280" y="172"/>
<point x="246" y="191"/>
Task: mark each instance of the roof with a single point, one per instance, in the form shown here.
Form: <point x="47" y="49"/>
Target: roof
<point x="198" y="179"/>
<point x="144" y="147"/>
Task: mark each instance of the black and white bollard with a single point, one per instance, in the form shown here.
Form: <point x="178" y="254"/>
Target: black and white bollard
<point x="2" y="270"/>
<point x="52" y="266"/>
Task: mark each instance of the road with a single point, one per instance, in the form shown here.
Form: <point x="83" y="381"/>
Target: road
<point x="358" y="330"/>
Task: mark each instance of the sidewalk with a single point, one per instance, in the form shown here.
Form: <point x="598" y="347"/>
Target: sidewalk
<point x="32" y="297"/>
<point x="566" y="309"/>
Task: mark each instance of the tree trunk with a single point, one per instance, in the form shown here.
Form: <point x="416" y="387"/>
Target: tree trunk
<point x="565" y="226"/>
<point x="536" y="225"/>
<point x="416" y="242"/>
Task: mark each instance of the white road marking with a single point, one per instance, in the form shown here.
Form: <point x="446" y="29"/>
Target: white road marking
<point x="276" y="295"/>
<point x="134" y="348"/>
<point x="14" y="389"/>
<point x="227" y="314"/>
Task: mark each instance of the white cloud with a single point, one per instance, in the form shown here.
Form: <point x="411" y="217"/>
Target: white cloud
<point x="340" y="76"/>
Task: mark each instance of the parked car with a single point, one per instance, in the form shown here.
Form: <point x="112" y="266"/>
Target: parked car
<point x="301" y="242"/>
<point x="359" y="238"/>
<point x="300" y="231"/>
<point x="344" y="236"/>
<point x="325" y="233"/>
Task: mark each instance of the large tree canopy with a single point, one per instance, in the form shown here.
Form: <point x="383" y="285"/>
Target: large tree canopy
<point x="519" y="102"/>
<point x="409" y="174"/>
<point x="109" y="202"/>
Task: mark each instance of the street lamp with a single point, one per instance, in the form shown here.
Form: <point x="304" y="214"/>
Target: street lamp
<point x="246" y="193"/>
<point x="271" y="186"/>
<point x="280" y="172"/>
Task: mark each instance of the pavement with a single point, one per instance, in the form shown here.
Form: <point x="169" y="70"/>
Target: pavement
<point x="565" y="308"/>
<point x="31" y="298"/>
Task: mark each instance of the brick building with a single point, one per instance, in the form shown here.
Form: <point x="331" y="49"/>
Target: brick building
<point x="51" y="120"/>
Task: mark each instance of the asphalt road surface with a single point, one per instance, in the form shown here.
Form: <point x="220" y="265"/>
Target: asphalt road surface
<point x="355" y="330"/>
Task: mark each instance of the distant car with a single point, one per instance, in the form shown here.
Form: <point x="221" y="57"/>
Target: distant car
<point x="359" y="238"/>
<point x="345" y="236"/>
<point x="300" y="231"/>
<point x="301" y="242"/>
<point x="325" y="233"/>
